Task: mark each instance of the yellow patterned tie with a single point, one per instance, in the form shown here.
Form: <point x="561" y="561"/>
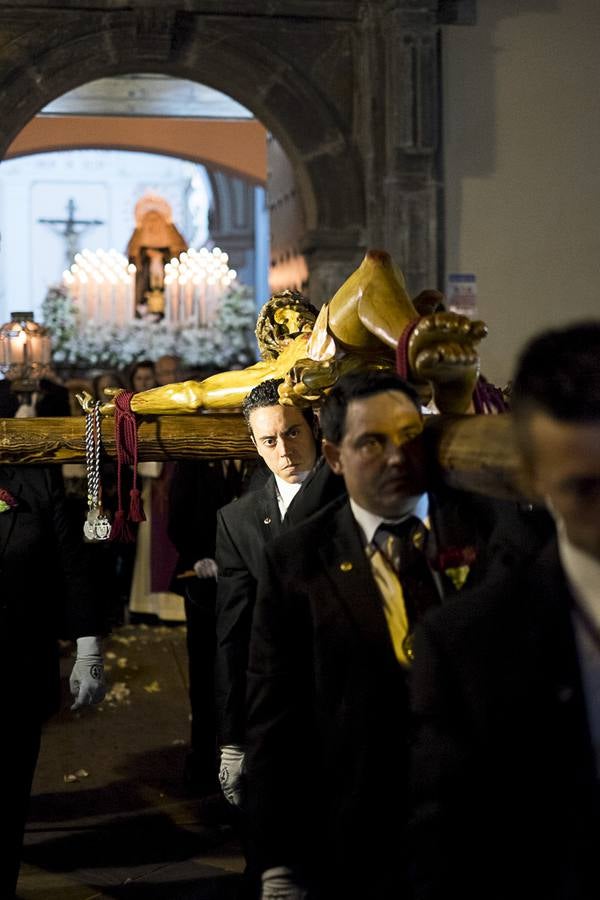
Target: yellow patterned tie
<point x="404" y="579"/>
<point x="394" y="607"/>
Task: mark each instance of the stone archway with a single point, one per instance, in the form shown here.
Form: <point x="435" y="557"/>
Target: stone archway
<point x="209" y="142"/>
<point x="63" y="49"/>
<point x="348" y="88"/>
<point x="231" y="220"/>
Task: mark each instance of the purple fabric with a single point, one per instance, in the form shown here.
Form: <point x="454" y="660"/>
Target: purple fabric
<point x="163" y="555"/>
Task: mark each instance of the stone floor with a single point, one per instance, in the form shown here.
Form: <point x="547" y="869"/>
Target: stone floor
<point x="109" y="815"/>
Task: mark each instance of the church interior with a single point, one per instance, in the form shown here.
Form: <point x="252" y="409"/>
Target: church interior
<point x="167" y="167"/>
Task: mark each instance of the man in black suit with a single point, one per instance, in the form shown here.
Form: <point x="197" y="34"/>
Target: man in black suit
<point x="198" y="490"/>
<point x="506" y="688"/>
<point x="46" y="594"/>
<point x="331" y="645"/>
<point x="297" y="485"/>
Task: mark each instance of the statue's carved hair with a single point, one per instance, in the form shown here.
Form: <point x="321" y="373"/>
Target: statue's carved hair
<point x="268" y="331"/>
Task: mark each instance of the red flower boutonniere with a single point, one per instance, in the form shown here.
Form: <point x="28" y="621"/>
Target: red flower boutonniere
<point x="456" y="562"/>
<point x="7" y="501"/>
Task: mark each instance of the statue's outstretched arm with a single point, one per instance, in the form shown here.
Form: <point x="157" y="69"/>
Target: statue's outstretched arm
<point x="226" y="390"/>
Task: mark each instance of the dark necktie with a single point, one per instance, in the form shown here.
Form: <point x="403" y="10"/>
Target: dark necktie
<point x="403" y="545"/>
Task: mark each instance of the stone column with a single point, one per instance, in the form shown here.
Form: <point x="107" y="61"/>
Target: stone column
<point x="399" y="90"/>
<point x="331" y="257"/>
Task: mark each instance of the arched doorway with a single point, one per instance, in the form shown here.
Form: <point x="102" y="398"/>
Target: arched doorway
<point x="101" y="187"/>
<point x="143" y="114"/>
<point x="291" y="102"/>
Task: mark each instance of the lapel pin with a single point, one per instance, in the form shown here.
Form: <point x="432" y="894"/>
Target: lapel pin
<point x="564" y="694"/>
<point x="267" y="520"/>
<point x="345" y="566"/>
<point x="418" y="540"/>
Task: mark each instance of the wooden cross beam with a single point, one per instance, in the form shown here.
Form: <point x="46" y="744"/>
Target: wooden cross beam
<point x="475" y="453"/>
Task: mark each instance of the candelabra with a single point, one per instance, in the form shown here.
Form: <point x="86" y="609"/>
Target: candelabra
<point x="25" y="352"/>
<point x="102" y="285"/>
<point x="194" y="285"/>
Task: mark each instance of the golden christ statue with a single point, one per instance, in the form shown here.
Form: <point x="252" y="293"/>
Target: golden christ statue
<point x="359" y="328"/>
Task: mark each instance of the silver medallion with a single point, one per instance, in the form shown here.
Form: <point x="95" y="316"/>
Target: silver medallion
<point x="101" y="528"/>
<point x="90" y="524"/>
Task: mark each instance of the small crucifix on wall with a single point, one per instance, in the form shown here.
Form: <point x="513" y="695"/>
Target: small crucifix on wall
<point x="70" y="229"/>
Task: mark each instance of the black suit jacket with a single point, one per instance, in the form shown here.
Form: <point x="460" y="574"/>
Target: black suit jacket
<point x="504" y="780"/>
<point x="244" y="527"/>
<point x="327" y="701"/>
<point x="46" y="591"/>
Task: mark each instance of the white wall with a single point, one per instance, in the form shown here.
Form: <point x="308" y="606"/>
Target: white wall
<point x="522" y="166"/>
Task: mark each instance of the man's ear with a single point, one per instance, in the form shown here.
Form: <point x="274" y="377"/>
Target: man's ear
<point x="331" y="452"/>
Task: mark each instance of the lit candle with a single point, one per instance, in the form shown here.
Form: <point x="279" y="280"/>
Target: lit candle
<point x="189" y="291"/>
<point x="35" y="349"/>
<point x="18" y="347"/>
<point x="85" y="308"/>
<point x="131" y="269"/>
<point x="120" y="304"/>
<point x="181" y="282"/>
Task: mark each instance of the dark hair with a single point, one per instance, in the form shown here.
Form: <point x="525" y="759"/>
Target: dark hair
<point x="114" y="376"/>
<point x="356" y="387"/>
<point x="559" y="373"/>
<point x="266" y="394"/>
<point x="141" y="364"/>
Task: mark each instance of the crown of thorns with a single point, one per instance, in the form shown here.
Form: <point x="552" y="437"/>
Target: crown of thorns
<point x="268" y="331"/>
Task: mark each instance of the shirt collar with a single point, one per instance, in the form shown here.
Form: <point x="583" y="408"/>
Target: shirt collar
<point x="583" y="574"/>
<point x="286" y="491"/>
<point x="369" y="522"/>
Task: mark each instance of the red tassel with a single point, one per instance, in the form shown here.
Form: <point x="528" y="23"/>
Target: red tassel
<point x="121" y="529"/>
<point x="402" y="367"/>
<point x="136" y="509"/>
<point x="126" y="447"/>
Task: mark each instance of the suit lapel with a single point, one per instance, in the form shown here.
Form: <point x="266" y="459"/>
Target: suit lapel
<point x="302" y="498"/>
<point x="347" y="567"/>
<point x="551" y="626"/>
<point x="267" y="510"/>
<point x="453" y="526"/>
<point x="551" y="655"/>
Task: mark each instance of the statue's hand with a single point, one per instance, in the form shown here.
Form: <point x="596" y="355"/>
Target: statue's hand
<point x="87" y="402"/>
<point x="108" y="408"/>
<point x="308" y="382"/>
<point x="443" y="350"/>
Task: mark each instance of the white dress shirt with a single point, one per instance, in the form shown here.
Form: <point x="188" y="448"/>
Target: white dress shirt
<point x="286" y="492"/>
<point x="369" y="522"/>
<point x="417" y="506"/>
<point x="583" y="576"/>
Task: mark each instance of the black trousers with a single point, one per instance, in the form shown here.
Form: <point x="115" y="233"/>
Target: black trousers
<point x="18" y="758"/>
<point x="202" y="765"/>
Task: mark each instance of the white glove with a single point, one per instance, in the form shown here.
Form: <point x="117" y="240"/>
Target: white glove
<point x="280" y="884"/>
<point x="206" y="568"/>
<point x="87" y="681"/>
<point x="231" y="774"/>
<point x="25" y="411"/>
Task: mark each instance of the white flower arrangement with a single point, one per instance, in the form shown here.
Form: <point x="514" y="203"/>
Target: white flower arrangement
<point x="228" y="343"/>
